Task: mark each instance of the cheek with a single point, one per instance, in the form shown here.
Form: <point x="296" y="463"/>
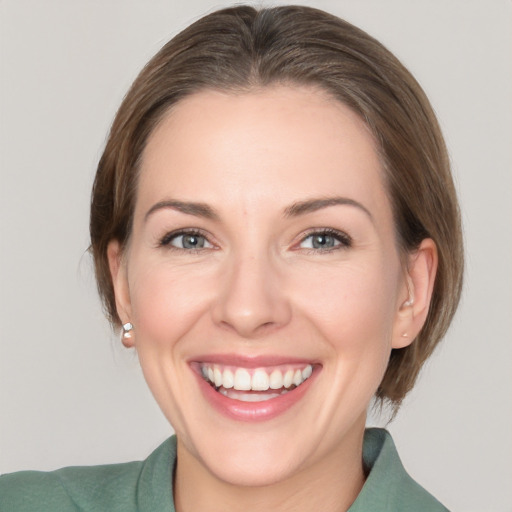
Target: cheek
<point x="166" y="303"/>
<point x="353" y="305"/>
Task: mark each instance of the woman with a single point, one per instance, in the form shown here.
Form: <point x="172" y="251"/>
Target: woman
<point x="275" y="228"/>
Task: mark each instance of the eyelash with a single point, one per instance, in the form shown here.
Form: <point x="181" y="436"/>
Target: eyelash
<point x="345" y="241"/>
<point x="167" y="239"/>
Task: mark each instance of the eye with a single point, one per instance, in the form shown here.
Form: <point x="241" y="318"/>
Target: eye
<point x="186" y="240"/>
<point x="325" y="240"/>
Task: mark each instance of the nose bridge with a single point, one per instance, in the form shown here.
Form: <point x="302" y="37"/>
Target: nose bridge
<point x="251" y="300"/>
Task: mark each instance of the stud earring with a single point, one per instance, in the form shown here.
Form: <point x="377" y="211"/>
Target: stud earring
<point x="127" y="330"/>
<point x="405" y="335"/>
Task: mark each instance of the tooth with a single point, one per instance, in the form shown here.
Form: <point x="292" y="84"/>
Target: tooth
<point x="242" y="380"/>
<point x="276" y="380"/>
<point x="248" y="397"/>
<point x="288" y="379"/>
<point x="306" y="373"/>
<point x="260" y="380"/>
<point x="228" y="379"/>
<point x="257" y="398"/>
<point x="217" y="375"/>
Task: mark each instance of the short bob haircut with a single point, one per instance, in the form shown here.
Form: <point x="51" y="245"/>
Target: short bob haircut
<point x="240" y="49"/>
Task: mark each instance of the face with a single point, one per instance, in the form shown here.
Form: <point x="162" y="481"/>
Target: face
<point x="263" y="279"/>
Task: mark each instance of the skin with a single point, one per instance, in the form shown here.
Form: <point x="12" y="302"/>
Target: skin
<point x="259" y="287"/>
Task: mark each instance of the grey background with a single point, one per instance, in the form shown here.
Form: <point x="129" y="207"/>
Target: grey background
<point x="69" y="393"/>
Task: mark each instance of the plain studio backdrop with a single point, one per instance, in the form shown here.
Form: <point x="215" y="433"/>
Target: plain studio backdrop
<point x="71" y="395"/>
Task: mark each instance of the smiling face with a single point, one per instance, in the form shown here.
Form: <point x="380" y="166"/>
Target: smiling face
<point x="263" y="280"/>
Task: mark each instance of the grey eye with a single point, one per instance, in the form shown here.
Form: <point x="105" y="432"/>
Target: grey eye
<point x="320" y="241"/>
<point x="190" y="241"/>
<point x="325" y="240"/>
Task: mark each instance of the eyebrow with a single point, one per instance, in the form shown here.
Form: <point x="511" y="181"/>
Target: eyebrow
<point x="313" y="205"/>
<point x="294" y="210"/>
<point x="196" y="209"/>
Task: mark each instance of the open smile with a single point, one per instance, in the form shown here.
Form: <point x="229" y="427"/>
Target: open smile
<point x="242" y="383"/>
<point x="252" y="394"/>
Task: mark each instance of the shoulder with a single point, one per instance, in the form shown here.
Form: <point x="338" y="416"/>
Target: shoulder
<point x="70" y="489"/>
<point x="28" y="490"/>
<point x="115" y="487"/>
<point x="388" y="486"/>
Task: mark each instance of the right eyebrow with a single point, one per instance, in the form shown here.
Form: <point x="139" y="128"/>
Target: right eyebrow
<point x="188" y="208"/>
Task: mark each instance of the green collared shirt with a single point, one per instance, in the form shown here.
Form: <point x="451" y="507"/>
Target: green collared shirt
<point x="145" y="486"/>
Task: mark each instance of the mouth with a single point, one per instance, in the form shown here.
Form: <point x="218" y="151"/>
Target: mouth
<point x="255" y="385"/>
<point x="254" y="393"/>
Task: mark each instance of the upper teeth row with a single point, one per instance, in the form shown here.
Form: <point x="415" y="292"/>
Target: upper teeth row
<point x="260" y="380"/>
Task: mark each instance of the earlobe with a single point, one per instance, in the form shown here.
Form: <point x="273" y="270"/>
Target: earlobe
<point x="121" y="288"/>
<point x="414" y="306"/>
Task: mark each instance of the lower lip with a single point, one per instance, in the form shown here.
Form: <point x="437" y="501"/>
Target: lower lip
<point x="254" y="411"/>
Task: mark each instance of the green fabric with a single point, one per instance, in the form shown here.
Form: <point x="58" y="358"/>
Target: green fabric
<point x="146" y="486"/>
<point x="388" y="486"/>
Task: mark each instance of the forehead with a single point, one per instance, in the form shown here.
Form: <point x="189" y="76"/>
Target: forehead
<point x="245" y="149"/>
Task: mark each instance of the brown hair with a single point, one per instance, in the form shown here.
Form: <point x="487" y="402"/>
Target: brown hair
<point x="241" y="48"/>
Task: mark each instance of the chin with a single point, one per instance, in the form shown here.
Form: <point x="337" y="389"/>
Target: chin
<point x="255" y="464"/>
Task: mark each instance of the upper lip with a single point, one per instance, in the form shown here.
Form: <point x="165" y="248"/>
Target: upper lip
<point x="256" y="361"/>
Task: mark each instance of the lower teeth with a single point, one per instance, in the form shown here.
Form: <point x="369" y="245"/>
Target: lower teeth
<point x="250" y="397"/>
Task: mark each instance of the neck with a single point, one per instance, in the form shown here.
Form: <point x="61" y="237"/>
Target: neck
<point x="330" y="484"/>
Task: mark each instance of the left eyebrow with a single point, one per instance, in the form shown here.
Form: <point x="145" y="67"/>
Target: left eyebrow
<point x="313" y="205"/>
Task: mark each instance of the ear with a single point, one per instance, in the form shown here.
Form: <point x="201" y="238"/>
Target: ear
<point x="415" y="298"/>
<point x="118" y="272"/>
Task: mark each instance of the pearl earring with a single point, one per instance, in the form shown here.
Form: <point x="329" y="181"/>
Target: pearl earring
<point x="127" y="330"/>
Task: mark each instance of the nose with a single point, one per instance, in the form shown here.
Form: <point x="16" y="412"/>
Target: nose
<point x="252" y="299"/>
